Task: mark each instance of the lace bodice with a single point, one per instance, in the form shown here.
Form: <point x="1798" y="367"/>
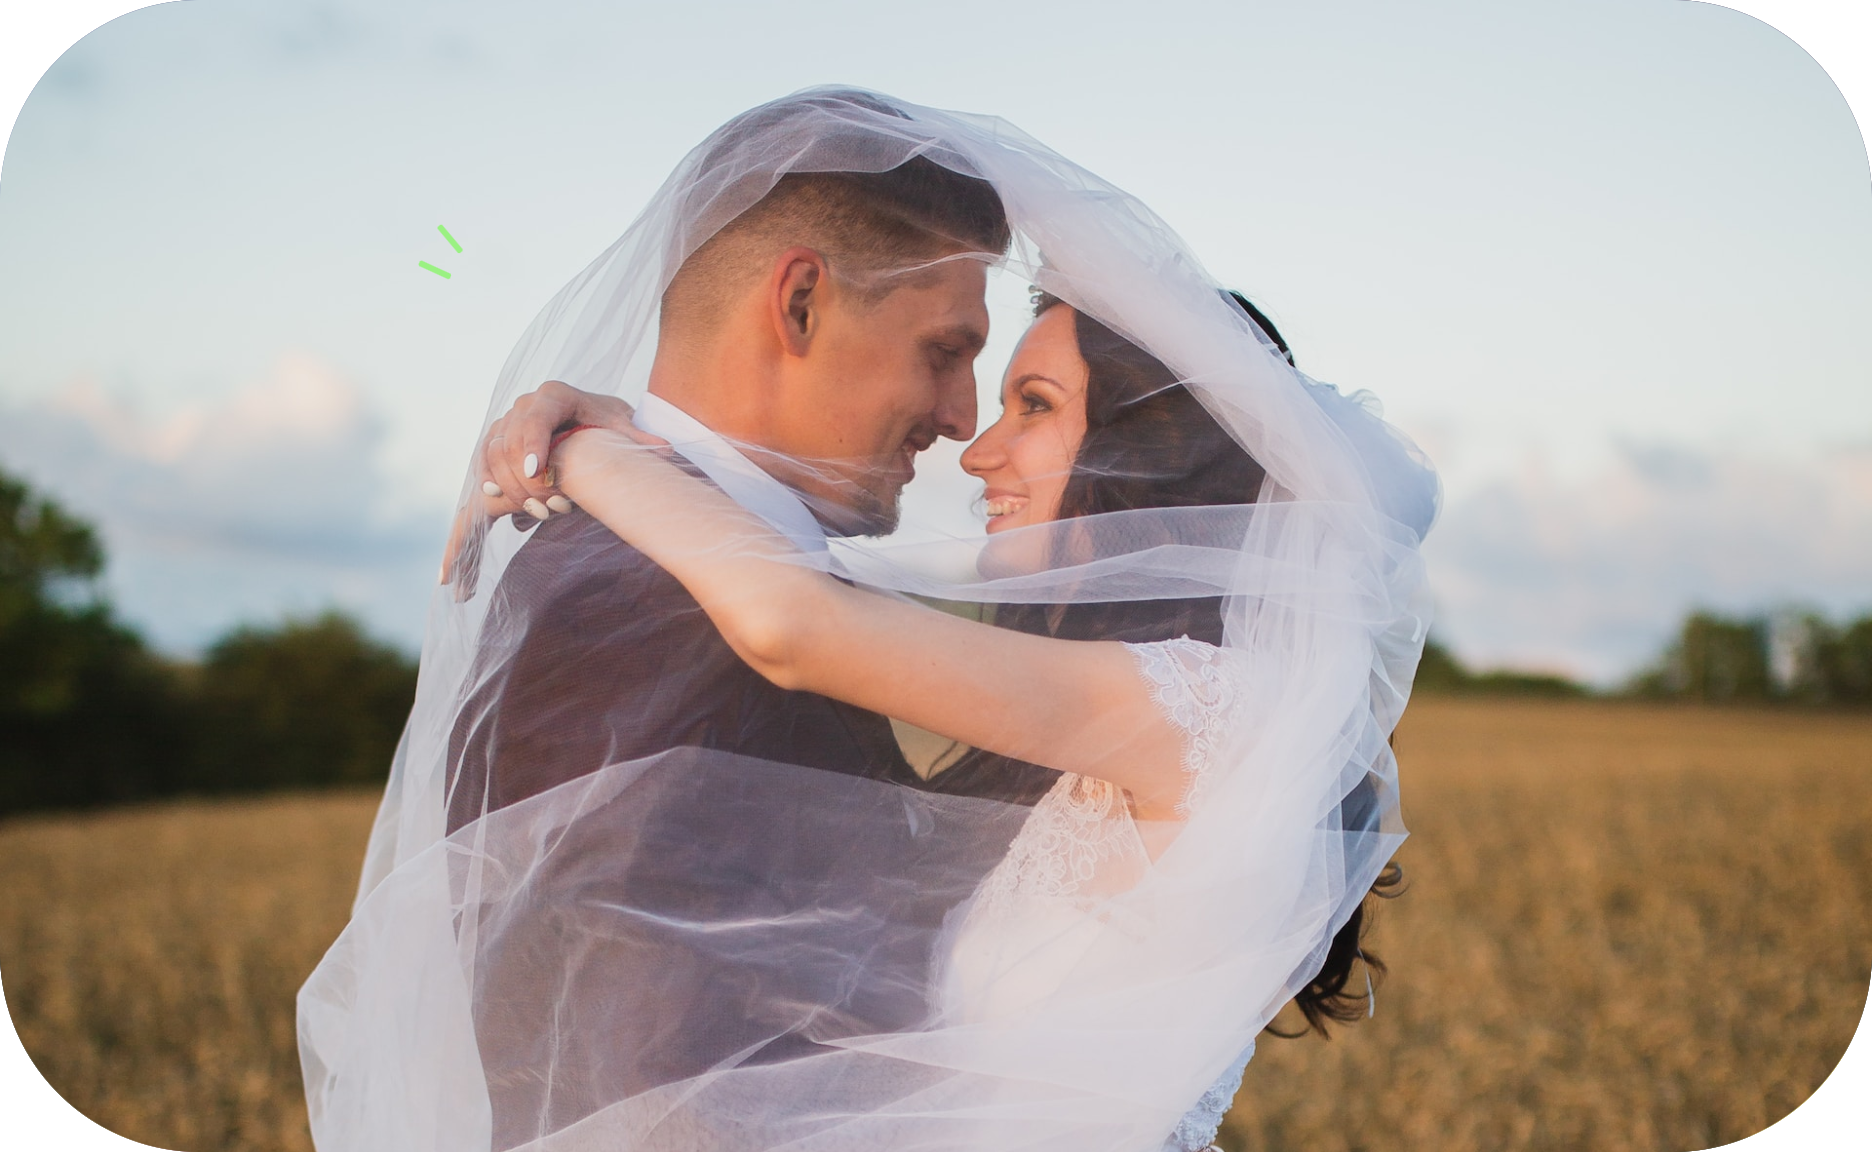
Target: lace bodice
<point x="1081" y="846"/>
<point x="1082" y="828"/>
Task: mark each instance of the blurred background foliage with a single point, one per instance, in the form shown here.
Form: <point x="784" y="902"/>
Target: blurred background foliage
<point x="91" y="716"/>
<point x="1440" y="673"/>
<point x="1792" y="656"/>
<point x="1789" y="657"/>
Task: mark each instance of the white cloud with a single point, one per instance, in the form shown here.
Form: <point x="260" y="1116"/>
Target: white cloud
<point x="1591" y="575"/>
<point x="272" y="499"/>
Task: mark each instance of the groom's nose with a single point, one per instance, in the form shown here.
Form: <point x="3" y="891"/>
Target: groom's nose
<point x="955" y="412"/>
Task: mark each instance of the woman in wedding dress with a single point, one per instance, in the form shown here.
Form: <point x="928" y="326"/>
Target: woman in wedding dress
<point x="1090" y="424"/>
<point x="1208" y="603"/>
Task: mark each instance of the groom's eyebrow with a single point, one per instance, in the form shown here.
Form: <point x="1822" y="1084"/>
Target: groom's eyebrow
<point x="971" y="339"/>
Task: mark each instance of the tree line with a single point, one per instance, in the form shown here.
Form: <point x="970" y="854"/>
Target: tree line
<point x="90" y="715"/>
<point x="1796" y="658"/>
<point x="1782" y="658"/>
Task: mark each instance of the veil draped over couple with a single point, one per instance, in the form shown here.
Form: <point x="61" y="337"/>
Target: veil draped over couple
<point x="732" y="815"/>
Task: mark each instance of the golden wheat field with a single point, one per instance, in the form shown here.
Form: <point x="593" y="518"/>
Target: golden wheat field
<point x="1627" y="928"/>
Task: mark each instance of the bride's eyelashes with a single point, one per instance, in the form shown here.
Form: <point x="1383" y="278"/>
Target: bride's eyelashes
<point x="1033" y="394"/>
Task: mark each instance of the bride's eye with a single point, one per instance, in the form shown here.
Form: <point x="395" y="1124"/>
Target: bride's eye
<point x="1032" y="404"/>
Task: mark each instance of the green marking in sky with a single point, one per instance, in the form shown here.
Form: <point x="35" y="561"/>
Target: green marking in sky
<point x="433" y="268"/>
<point x="450" y="239"/>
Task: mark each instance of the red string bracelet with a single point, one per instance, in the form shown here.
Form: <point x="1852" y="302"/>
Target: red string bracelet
<point x="559" y="437"/>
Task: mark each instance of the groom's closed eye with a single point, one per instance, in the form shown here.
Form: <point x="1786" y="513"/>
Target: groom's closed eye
<point x="943" y="356"/>
<point x="960" y="343"/>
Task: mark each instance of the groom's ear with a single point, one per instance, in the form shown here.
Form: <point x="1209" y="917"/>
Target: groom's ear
<point x="796" y="294"/>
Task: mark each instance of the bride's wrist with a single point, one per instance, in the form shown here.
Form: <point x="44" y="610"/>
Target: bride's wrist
<point x="568" y="457"/>
<point x="565" y="434"/>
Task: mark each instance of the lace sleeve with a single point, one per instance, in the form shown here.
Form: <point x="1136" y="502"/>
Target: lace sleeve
<point x="1188" y="679"/>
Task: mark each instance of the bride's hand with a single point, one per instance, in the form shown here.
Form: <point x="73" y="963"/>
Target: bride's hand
<point x="512" y="467"/>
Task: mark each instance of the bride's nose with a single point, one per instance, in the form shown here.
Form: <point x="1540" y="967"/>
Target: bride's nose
<point x="985" y="454"/>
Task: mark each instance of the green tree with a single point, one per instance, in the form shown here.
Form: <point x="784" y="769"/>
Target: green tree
<point x="1848" y="663"/>
<point x="1715" y="659"/>
<point x="1834" y="664"/>
<point x="1440" y="673"/>
<point x="87" y="714"/>
<point x="307" y="703"/>
<point x="90" y="716"/>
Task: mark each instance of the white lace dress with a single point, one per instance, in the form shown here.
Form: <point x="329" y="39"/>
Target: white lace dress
<point x="1039" y="910"/>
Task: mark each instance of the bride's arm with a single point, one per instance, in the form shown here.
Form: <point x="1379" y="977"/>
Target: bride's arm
<point x="1078" y="706"/>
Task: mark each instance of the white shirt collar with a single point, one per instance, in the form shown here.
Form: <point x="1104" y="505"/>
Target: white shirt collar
<point x="744" y="481"/>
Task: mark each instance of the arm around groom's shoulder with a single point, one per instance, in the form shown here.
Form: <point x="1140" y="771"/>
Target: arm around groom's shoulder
<point x="592" y="655"/>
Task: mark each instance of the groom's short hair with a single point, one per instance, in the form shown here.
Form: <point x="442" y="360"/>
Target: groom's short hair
<point x="917" y="211"/>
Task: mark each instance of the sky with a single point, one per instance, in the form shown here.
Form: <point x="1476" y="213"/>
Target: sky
<point x="1602" y="260"/>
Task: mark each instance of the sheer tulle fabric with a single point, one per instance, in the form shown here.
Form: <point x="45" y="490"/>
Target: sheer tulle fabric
<point x="686" y="949"/>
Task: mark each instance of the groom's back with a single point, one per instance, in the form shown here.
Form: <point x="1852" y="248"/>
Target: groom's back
<point x="594" y="657"/>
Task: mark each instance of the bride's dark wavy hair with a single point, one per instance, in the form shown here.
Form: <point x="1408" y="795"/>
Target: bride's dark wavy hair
<point x="1150" y="443"/>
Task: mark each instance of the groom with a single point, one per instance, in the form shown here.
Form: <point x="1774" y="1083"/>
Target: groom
<point x="790" y="335"/>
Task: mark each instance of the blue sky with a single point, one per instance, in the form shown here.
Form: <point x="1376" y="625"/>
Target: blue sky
<point x="1602" y="259"/>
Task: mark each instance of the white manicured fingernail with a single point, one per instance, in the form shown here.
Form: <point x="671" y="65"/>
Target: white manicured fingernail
<point x="559" y="504"/>
<point x="532" y="465"/>
<point x="491" y="488"/>
<point x="442" y="573"/>
<point x="535" y="509"/>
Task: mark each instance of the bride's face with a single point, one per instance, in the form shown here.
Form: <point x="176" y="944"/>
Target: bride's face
<point x="1024" y="458"/>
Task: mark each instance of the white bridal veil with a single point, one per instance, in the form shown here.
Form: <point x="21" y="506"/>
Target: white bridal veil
<point x="709" y="941"/>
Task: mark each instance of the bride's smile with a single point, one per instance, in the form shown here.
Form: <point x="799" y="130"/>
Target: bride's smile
<point x="998" y="504"/>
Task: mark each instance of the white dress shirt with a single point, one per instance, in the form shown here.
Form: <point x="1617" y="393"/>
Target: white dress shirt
<point x="743" y="480"/>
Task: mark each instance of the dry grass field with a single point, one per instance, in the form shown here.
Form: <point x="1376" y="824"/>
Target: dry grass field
<point x="151" y="956"/>
<point x="1628" y="928"/>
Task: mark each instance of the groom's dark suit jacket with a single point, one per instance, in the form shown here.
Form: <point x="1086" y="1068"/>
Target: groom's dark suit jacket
<point x="595" y="983"/>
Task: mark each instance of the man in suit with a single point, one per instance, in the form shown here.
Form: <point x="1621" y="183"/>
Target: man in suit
<point x="789" y="336"/>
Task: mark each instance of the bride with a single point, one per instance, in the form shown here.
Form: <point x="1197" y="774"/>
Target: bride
<point x="1207" y="603"/>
